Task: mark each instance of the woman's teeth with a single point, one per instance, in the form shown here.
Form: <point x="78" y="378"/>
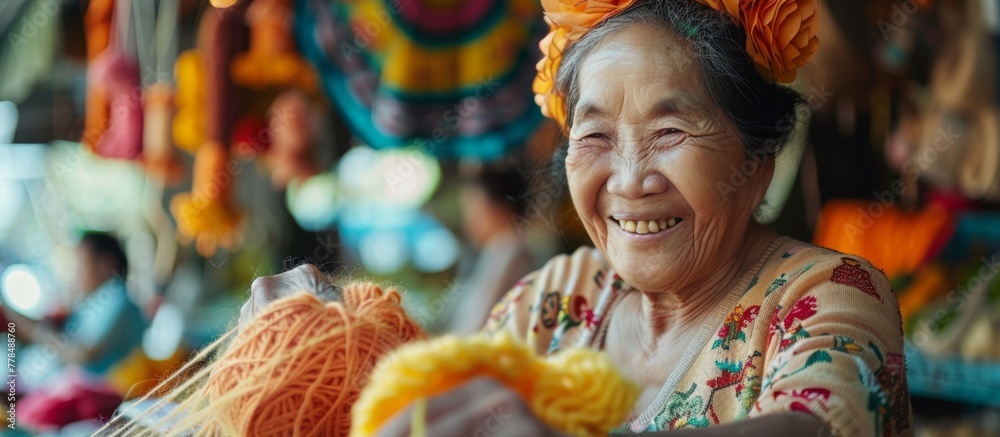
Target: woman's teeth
<point x="647" y="226"/>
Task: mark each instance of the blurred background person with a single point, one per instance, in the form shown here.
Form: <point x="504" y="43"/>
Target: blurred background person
<point x="493" y="205"/>
<point x="65" y="366"/>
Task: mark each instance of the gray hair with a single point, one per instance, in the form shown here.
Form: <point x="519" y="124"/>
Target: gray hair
<point x="763" y="112"/>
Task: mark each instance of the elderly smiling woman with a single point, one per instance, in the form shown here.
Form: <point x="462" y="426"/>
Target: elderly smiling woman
<point x="726" y="325"/>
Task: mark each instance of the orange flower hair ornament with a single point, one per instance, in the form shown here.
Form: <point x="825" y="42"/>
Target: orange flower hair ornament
<point x="781" y="37"/>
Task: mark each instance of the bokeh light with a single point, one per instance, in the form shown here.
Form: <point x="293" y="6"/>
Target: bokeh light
<point x="383" y="252"/>
<point x="313" y="202"/>
<point x="164" y="334"/>
<point x="435" y="250"/>
<point x="22" y="291"/>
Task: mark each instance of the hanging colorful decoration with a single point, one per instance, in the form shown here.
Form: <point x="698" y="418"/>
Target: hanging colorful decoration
<point x="206" y="97"/>
<point x="208" y="215"/>
<point x="159" y="156"/>
<point x="290" y="156"/>
<point x="452" y="76"/>
<point x="189" y="121"/>
<point x="959" y="145"/>
<point x="113" y="79"/>
<point x="113" y="127"/>
<point x="97" y="22"/>
<point x="221" y="36"/>
<point x="979" y="173"/>
<point x="250" y="137"/>
<point x="892" y="239"/>
<point x="272" y="60"/>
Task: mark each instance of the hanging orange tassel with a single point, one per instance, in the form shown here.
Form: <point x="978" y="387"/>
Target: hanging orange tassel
<point x="189" y="122"/>
<point x="159" y="156"/>
<point x="208" y="215"/>
<point x="97" y="23"/>
<point x="272" y="59"/>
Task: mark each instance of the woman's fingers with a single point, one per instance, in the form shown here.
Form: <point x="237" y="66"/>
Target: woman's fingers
<point x="445" y="414"/>
<point x="487" y="407"/>
<point x="267" y="289"/>
<point x="481" y="407"/>
<point x="311" y="278"/>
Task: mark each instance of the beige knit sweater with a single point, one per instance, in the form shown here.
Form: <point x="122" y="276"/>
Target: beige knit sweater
<point x="805" y="329"/>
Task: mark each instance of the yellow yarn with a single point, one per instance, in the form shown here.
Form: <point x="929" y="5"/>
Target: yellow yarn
<point x="578" y="391"/>
<point x="298" y="369"/>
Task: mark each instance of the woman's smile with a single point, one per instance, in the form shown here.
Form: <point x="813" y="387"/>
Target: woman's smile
<point x="642" y="229"/>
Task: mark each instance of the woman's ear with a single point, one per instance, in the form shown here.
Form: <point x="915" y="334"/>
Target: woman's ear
<point x="784" y="167"/>
<point x="765" y="177"/>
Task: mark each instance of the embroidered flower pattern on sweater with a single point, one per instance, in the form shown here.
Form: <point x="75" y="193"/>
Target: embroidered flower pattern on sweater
<point x="851" y="273"/>
<point x="576" y="311"/>
<point x="778" y="282"/>
<point x="551" y="307"/>
<point x="791" y="329"/>
<point x="783" y="353"/>
<point x="734" y="326"/>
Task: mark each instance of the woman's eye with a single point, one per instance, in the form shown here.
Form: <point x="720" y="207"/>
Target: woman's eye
<point x="671" y="136"/>
<point x="595" y="136"/>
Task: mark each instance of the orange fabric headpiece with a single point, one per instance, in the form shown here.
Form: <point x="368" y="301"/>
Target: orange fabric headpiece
<point x="781" y="37"/>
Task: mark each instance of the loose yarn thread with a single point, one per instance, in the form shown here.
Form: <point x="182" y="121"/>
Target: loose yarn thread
<point x="297" y="369"/>
<point x="305" y="367"/>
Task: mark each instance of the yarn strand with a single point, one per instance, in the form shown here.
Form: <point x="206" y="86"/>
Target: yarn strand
<point x="303" y="367"/>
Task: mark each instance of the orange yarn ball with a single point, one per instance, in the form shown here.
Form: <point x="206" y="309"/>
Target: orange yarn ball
<point x="298" y="368"/>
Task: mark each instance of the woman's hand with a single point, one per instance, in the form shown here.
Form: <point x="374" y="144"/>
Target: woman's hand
<point x="481" y="407"/>
<point x="267" y="289"/>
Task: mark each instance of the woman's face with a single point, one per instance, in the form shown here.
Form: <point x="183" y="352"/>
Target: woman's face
<point x="648" y="148"/>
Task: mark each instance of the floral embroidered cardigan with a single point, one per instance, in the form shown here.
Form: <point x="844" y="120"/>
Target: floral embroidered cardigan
<point x="806" y="329"/>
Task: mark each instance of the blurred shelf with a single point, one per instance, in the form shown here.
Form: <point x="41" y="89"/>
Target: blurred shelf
<point x="952" y="379"/>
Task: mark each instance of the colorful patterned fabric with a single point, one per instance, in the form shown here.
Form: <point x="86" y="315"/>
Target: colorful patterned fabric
<point x="806" y="329"/>
<point x="451" y="75"/>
